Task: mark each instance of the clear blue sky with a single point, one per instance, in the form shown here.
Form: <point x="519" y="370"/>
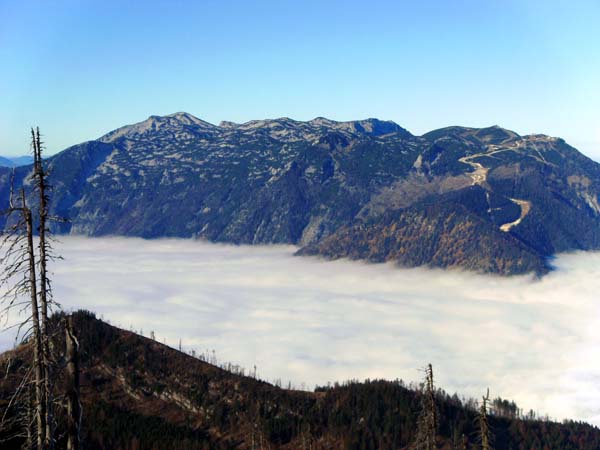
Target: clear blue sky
<point x="81" y="68"/>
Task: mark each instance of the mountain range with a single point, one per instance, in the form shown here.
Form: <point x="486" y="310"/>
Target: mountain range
<point x="480" y="199"/>
<point x="15" y="161"/>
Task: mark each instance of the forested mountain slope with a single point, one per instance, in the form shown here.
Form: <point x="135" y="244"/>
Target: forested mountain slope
<point x="138" y="393"/>
<point x="482" y="199"/>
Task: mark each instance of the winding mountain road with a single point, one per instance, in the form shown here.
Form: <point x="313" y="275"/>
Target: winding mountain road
<point x="479" y="177"/>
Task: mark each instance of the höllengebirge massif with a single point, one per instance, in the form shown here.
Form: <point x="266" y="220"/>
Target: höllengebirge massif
<point x="480" y="199"/>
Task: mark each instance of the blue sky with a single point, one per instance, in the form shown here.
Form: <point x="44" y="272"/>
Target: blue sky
<point x="80" y="68"/>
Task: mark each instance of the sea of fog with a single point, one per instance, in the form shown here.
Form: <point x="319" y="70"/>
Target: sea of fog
<point x="311" y="321"/>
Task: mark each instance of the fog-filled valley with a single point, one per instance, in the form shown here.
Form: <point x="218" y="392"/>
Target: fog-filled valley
<point x="311" y="321"/>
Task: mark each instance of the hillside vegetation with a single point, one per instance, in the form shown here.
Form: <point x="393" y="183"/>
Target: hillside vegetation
<point x="140" y="394"/>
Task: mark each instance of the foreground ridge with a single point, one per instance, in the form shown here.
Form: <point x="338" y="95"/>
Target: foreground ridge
<point x="139" y="393"/>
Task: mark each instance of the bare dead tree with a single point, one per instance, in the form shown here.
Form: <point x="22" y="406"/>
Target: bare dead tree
<point x="20" y="296"/>
<point x="41" y="188"/>
<point x="428" y="421"/>
<point x="37" y="333"/>
<point x="73" y="400"/>
<point x="26" y="293"/>
<point x="20" y="264"/>
<point x="29" y="419"/>
<point x="482" y="419"/>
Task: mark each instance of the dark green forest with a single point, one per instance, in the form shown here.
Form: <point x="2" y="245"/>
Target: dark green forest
<point x="140" y="394"/>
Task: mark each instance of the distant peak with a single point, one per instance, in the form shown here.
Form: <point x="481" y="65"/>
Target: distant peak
<point x="494" y="134"/>
<point x="181" y="116"/>
<point x="175" y="122"/>
<point x="15" y="161"/>
<point x="370" y="126"/>
<point x="189" y="119"/>
<point x="285" y="122"/>
<point x="228" y="124"/>
<point x="378" y="127"/>
<point x="322" y="121"/>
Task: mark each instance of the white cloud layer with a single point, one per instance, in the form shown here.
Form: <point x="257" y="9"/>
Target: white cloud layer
<point x="310" y="321"/>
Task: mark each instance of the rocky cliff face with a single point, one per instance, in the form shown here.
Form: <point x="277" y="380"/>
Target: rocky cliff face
<point x="483" y="199"/>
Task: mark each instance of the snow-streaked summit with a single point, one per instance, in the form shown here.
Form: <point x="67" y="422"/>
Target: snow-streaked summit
<point x="177" y="124"/>
<point x="183" y="124"/>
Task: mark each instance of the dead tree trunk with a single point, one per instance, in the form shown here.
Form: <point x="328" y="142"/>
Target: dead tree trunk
<point x="484" y="427"/>
<point x="26" y="273"/>
<point x="73" y="404"/>
<point x="40" y="183"/>
<point x="37" y="338"/>
<point x="432" y="422"/>
<point x="29" y="417"/>
<point x="427" y="422"/>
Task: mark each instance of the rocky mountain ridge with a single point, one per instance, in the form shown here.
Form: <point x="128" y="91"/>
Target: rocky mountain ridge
<point x="481" y="199"/>
<point x="15" y="161"/>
